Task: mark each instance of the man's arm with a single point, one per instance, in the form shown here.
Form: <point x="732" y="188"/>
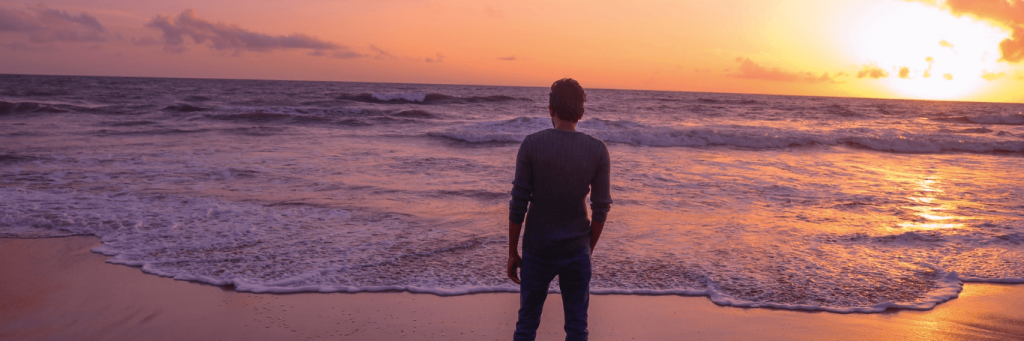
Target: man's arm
<point x="600" y="198"/>
<point x="514" y="261"/>
<point x="522" y="192"/>
<point x="595" y="234"/>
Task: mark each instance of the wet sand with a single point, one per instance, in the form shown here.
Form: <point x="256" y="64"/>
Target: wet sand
<point x="56" y="289"/>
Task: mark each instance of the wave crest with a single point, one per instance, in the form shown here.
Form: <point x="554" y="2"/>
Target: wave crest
<point x="424" y="98"/>
<point x="27" y="108"/>
<point x="752" y="137"/>
<point x="1012" y="119"/>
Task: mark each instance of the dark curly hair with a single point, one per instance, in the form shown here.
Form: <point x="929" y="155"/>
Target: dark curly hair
<point x="566" y="99"/>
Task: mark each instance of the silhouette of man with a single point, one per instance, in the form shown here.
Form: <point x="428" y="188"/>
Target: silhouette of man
<point x="555" y="169"/>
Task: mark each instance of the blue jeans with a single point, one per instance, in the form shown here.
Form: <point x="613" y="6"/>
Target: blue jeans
<point x="574" y="281"/>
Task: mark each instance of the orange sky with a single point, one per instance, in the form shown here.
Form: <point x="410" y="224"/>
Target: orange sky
<point x="946" y="49"/>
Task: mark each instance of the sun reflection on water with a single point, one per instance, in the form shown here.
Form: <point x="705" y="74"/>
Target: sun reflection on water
<point x="931" y="211"/>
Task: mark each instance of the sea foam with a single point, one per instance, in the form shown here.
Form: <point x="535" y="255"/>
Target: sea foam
<point x="753" y="137"/>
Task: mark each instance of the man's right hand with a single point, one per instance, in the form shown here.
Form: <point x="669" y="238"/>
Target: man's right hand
<point x="514" y="262"/>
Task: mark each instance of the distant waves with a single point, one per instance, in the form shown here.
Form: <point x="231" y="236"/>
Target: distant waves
<point x="752" y="137"/>
<point x="425" y="98"/>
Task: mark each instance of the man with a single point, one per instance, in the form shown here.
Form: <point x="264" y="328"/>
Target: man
<point x="555" y="169"/>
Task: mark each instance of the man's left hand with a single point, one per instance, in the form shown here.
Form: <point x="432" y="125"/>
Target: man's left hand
<point x="514" y="262"/>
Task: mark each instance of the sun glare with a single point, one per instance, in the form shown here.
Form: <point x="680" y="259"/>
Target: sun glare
<point x="927" y="53"/>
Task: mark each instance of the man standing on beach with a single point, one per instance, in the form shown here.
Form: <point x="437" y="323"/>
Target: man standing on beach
<point x="555" y="169"/>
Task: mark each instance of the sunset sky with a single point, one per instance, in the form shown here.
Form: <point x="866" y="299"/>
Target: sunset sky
<point x="946" y="49"/>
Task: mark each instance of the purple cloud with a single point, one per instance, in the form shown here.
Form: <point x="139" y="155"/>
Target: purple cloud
<point x="221" y="36"/>
<point x="436" y="59"/>
<point x="751" y="70"/>
<point x="43" y="25"/>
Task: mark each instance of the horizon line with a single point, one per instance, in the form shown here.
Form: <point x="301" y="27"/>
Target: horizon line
<point x="505" y="86"/>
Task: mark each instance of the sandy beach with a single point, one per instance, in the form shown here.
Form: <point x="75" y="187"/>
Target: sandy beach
<point x="57" y="288"/>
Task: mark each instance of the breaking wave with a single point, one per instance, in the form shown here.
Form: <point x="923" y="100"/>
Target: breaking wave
<point x="752" y="137"/>
<point x="424" y="98"/>
<point x="28" y="108"/>
<point x="1013" y="119"/>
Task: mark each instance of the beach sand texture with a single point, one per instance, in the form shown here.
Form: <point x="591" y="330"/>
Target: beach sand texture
<point x="57" y="289"/>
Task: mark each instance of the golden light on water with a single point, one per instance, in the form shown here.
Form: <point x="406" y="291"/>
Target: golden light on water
<point x="931" y="211"/>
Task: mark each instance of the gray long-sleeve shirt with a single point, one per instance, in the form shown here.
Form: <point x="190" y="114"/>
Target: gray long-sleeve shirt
<point x="555" y="169"/>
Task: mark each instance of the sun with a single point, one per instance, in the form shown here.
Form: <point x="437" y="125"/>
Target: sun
<point x="927" y="53"/>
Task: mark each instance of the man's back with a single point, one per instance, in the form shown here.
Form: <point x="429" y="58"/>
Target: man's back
<point x="555" y="170"/>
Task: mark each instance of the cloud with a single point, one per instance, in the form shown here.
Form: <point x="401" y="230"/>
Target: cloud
<point x="436" y="59"/>
<point x="948" y="76"/>
<point x="872" y="71"/>
<point x="904" y="72"/>
<point x="991" y="76"/>
<point x="347" y="54"/>
<point x="945" y="43"/>
<point x="222" y="36"/>
<point x="509" y="58"/>
<point x="19" y="46"/>
<point x="1008" y="13"/>
<point x="43" y="25"/>
<point x="380" y="54"/>
<point x="750" y="70"/>
<point x="343" y="54"/>
<point x="928" y="72"/>
<point x="1013" y="48"/>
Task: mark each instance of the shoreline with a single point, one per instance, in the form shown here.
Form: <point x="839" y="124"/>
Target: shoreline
<point x="57" y="288"/>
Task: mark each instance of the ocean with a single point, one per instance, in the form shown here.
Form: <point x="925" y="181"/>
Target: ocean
<point x="811" y="203"/>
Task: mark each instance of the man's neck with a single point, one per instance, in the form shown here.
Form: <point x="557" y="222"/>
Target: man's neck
<point x="563" y="125"/>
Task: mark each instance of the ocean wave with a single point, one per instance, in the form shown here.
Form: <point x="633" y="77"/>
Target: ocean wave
<point x="482" y="195"/>
<point x="839" y="110"/>
<point x="728" y="101"/>
<point x="151" y="132"/>
<point x="416" y="114"/>
<point x="514" y="130"/>
<point x="129" y="123"/>
<point x="424" y="98"/>
<point x="285" y="248"/>
<point x="15" y="158"/>
<point x="257" y="116"/>
<point x="981" y="130"/>
<point x="195" y="98"/>
<point x="184" y="108"/>
<point x="27" y="108"/>
<point x="341" y="116"/>
<point x="923" y="144"/>
<point x="1011" y="119"/>
<point x="38" y="93"/>
<point x="752" y="137"/>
